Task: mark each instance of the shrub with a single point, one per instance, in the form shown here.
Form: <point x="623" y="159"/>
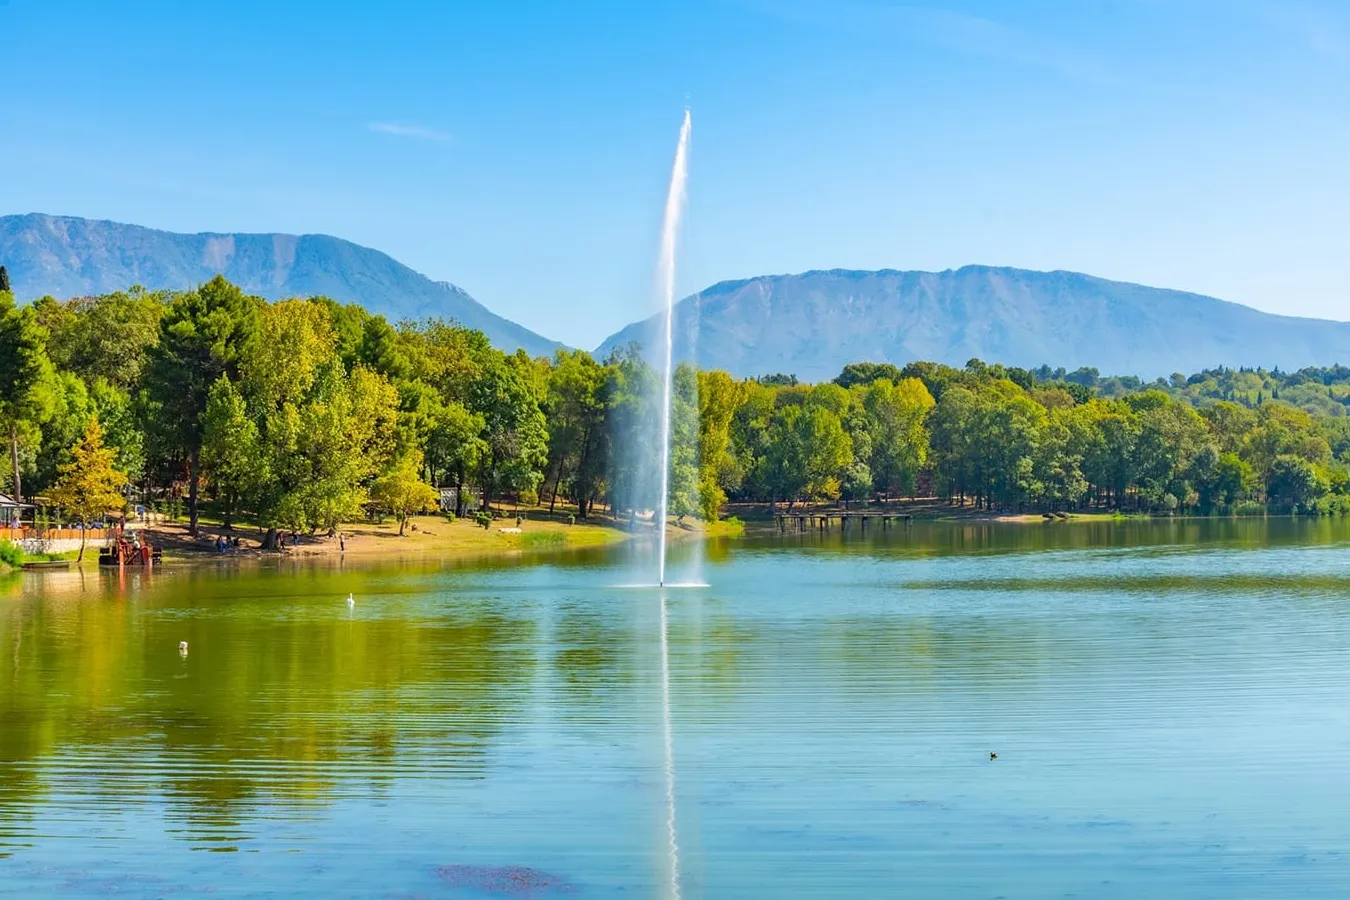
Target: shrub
<point x="1249" y="508"/>
<point x="1330" y="505"/>
<point x="482" y="519"/>
<point x="540" y="539"/>
<point x="450" y="517"/>
<point x="571" y="520"/>
<point x="11" y="554"/>
<point x="733" y="527"/>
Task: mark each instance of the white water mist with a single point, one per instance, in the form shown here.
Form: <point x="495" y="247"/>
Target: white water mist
<point x="670" y="230"/>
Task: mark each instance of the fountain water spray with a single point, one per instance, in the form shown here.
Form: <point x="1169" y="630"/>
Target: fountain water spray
<point x="669" y="235"/>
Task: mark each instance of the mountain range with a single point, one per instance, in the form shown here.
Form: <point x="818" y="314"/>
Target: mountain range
<point x="66" y="256"/>
<point x="809" y="325"/>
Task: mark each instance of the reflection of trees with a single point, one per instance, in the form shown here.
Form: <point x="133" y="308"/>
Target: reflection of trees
<point x="944" y="538"/>
<point x="280" y="699"/>
<point x="593" y="656"/>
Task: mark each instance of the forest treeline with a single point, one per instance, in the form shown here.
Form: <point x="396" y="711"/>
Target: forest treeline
<point x="305" y="413"/>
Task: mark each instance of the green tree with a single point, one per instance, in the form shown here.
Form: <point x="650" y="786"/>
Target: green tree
<point x="89" y="485"/>
<point x="25" y="381"/>
<point x="202" y="336"/>
<point x="402" y="491"/>
<point x="1292" y="483"/>
<point x="827" y="452"/>
<point x="896" y="413"/>
<point x="954" y="444"/>
<point x="514" y="430"/>
<point x="64" y="423"/>
<point x="683" y="499"/>
<point x="108" y="337"/>
<point x="116" y="411"/>
<point x="808" y="454"/>
<point x="783" y="464"/>
<point x="1220" y="479"/>
<point x="718" y="398"/>
<point x="232" y="456"/>
<point x="4" y="280"/>
<point x="456" y="443"/>
<point x="575" y="410"/>
<point x="865" y="373"/>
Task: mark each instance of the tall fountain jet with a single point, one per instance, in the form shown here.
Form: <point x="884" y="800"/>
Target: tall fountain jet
<point x="670" y="230"/>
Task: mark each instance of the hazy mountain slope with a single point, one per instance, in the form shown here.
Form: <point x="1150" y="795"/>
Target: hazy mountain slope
<point x="66" y="257"/>
<point x="813" y="324"/>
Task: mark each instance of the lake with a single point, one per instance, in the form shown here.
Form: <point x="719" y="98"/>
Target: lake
<point x="1169" y="704"/>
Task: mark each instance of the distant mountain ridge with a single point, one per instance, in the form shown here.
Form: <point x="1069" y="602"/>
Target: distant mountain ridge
<point x="814" y="323"/>
<point x="810" y="324"/>
<point x="66" y="256"/>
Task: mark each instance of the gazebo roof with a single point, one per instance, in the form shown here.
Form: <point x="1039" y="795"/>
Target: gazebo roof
<point x="7" y="502"/>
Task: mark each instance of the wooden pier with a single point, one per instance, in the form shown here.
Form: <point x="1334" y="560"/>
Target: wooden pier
<point x="824" y="521"/>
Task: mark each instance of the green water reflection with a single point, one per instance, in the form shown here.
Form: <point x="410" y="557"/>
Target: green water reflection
<point x="834" y="699"/>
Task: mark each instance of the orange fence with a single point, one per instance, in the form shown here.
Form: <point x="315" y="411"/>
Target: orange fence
<point x="53" y="534"/>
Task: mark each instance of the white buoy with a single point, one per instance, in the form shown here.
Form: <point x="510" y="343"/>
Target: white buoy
<point x="351" y="601"/>
<point x="182" y="646"/>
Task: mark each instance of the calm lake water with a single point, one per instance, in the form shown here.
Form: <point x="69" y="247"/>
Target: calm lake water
<point x="1170" y="706"/>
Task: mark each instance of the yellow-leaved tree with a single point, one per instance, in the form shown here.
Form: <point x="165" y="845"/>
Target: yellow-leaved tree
<point x="89" y="485"/>
<point x="402" y="491"/>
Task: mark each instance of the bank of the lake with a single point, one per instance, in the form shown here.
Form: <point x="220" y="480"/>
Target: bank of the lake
<point x="431" y="537"/>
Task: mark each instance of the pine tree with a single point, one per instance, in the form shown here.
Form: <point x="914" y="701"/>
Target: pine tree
<point x="89" y="485"/>
<point x="4" y="280"/>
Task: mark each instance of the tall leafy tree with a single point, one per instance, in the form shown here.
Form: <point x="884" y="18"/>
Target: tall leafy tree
<point x="896" y="412"/>
<point x="89" y="485"/>
<point x="515" y="434"/>
<point x="456" y="443"/>
<point x="202" y="336"/>
<point x="107" y="337"/>
<point x="718" y="398"/>
<point x="26" y="376"/>
<point x="683" y="495"/>
<point x="232" y="453"/>
<point x="576" y="409"/>
<point x="67" y="416"/>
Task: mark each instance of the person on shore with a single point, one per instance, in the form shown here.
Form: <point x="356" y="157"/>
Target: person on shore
<point x="342" y="542"/>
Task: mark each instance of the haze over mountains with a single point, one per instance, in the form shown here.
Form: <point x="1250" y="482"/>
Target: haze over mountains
<point x="813" y="324"/>
<point x="810" y="325"/>
<point x="65" y="256"/>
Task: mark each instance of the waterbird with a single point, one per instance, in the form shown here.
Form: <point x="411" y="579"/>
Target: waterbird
<point x="182" y="646"/>
<point x="993" y="756"/>
<point x="351" y="601"/>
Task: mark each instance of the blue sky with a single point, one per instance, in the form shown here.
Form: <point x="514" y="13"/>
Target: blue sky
<point x="521" y="149"/>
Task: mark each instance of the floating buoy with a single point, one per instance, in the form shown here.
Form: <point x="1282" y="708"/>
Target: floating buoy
<point x="182" y="646"/>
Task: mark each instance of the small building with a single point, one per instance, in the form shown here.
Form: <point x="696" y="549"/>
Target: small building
<point x="11" y="513"/>
<point x="450" y="499"/>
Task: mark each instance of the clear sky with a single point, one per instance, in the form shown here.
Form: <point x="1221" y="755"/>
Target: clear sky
<point x="521" y="149"/>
